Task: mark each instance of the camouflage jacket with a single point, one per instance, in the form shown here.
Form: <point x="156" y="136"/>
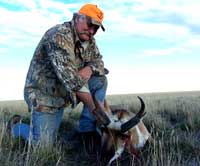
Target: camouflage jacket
<point x="53" y="78"/>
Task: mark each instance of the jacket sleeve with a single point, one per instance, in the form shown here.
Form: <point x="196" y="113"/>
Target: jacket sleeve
<point x="96" y="62"/>
<point x="60" y="52"/>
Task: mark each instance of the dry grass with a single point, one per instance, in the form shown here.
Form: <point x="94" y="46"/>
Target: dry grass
<point x="172" y="118"/>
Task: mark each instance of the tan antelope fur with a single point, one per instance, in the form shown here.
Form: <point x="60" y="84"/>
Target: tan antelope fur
<point x="132" y="140"/>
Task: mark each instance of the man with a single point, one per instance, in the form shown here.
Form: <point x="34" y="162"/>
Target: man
<point x="66" y="68"/>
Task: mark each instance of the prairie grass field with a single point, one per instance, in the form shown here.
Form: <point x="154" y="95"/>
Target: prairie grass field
<point x="173" y="119"/>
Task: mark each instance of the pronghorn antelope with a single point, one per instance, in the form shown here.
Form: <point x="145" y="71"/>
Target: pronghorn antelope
<point x="131" y="140"/>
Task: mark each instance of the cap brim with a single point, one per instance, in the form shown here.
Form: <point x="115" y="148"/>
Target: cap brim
<point x="98" y="23"/>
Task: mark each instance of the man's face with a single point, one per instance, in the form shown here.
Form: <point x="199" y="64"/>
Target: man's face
<point x="85" y="28"/>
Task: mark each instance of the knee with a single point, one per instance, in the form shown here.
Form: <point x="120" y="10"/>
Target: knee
<point x="98" y="81"/>
<point x="103" y="80"/>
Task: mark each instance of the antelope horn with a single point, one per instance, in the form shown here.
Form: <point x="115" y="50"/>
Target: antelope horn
<point x="141" y="113"/>
<point x="135" y="120"/>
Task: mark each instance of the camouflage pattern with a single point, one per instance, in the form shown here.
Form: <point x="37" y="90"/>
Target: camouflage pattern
<point x="53" y="79"/>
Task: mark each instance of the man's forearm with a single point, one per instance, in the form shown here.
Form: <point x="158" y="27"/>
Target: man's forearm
<point x="99" y="114"/>
<point x="87" y="99"/>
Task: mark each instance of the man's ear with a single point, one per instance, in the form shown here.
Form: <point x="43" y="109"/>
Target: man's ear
<point x="75" y="17"/>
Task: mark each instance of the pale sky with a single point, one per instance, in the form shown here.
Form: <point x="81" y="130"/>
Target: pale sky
<point x="148" y="45"/>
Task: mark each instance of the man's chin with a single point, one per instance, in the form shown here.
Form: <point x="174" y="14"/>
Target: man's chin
<point x="84" y="37"/>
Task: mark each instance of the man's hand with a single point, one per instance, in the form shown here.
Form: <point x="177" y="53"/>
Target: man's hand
<point x="85" y="73"/>
<point x="99" y="114"/>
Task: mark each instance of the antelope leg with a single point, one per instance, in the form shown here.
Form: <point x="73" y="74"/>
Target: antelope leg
<point x="118" y="153"/>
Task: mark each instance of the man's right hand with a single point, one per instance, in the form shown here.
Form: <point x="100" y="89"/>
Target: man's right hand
<point x="85" y="73"/>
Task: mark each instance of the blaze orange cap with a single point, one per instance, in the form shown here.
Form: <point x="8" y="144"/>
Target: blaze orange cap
<point x="94" y="13"/>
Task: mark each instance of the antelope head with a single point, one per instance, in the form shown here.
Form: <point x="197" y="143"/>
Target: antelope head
<point x="132" y="136"/>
